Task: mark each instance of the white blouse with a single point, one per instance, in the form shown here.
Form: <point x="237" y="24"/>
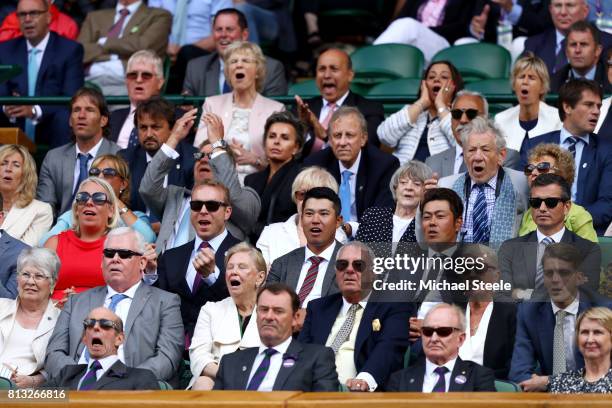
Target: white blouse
<point x="18" y="352"/>
<point x="473" y="346"/>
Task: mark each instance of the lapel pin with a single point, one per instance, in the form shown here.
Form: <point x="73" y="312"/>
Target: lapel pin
<point x="134" y="29"/>
<point x="584" y="165"/>
<point x="288" y="363"/>
<point x="411" y="380"/>
<point x="243" y="368"/>
<point x="376" y="325"/>
<point x="460" y="379"/>
<point x="178" y="166"/>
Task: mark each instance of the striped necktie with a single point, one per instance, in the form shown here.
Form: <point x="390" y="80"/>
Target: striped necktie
<point x="311" y="277"/>
<point x="480" y="219"/>
<point x="90" y="377"/>
<point x="261" y="371"/>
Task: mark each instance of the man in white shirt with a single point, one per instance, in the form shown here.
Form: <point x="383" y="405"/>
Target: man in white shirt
<point x="442" y="370"/>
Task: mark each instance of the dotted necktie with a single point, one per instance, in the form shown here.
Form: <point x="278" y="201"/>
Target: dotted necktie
<point x="261" y="371"/>
<point x="559" y="360"/>
<point x="346" y="328"/>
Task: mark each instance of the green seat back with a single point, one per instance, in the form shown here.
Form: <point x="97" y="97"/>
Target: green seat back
<point x="478" y="61"/>
<point x="304" y="89"/>
<point x="6" y="384"/>
<point x="379" y="63"/>
<point x="491" y="87"/>
<point x="506" y="386"/>
<point x="164" y="386"/>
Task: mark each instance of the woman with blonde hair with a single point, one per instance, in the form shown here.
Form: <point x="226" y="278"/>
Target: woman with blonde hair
<point x="25" y="218"/>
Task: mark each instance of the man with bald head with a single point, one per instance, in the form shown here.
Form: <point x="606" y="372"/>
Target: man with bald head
<point x="334" y="75"/>
<point x="102" y="335"/>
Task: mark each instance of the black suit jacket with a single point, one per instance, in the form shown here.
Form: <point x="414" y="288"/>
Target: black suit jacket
<point x="172" y="268"/>
<point x="314" y="369"/>
<point x="534" y="19"/>
<point x="457" y="17"/>
<point x="565" y="74"/>
<point x="117" y="377"/>
<point x="181" y="175"/>
<point x="478" y="378"/>
<point x="373" y="176"/>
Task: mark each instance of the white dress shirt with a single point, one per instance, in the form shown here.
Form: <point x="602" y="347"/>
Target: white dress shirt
<point x="215" y="243"/>
<point x="126" y="129"/>
<point x="275" y="365"/>
<point x="317" y="289"/>
<point x="431" y="378"/>
<point x="325" y="107"/>
<point x="569" y="330"/>
<point x="472" y="348"/>
<point x="93" y="152"/>
<point x="353" y="184"/>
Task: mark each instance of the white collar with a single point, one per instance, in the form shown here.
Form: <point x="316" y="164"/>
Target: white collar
<point x="93" y="151"/>
<point x="129" y="293"/>
<point x="346" y="305"/>
<point x="42" y="45"/>
<point x="339" y="102"/>
<point x="430" y="367"/>
<point x="106" y="362"/>
<point x="571" y="308"/>
<point x="556" y="236"/>
<point x="354" y="168"/>
<point x="281" y="348"/>
<point x="564" y="134"/>
<point x="215" y="243"/>
<point x="458" y="150"/>
<point x="589" y="75"/>
<point x="559" y="37"/>
<point x="326" y="254"/>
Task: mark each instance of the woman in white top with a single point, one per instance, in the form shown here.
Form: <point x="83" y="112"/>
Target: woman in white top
<point x="531" y="117"/>
<point x="280" y="238"/>
<point x="25" y="218"/>
<point x="26" y="323"/>
<point x="231" y="324"/>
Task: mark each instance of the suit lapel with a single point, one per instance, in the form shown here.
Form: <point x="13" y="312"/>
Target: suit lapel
<point x="294" y="266"/>
<point x="140" y="299"/>
<point x="461" y="369"/>
<point x="242" y="373"/>
<point x="327" y="319"/>
<point x="22" y="59"/>
<point x="136" y="19"/>
<point x="117" y="371"/>
<point x="294" y="349"/>
<point x="530" y="257"/>
<point x="586" y="162"/>
<point x="360" y="185"/>
<point x="365" y="327"/>
<point x="546" y="326"/>
<point x="212" y="77"/>
<point x="448" y="162"/>
<point x="330" y="272"/>
<point x="415" y="377"/>
<point x="68" y="170"/>
<point x="44" y="64"/>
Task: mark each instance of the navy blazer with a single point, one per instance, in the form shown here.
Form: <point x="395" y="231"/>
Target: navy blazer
<point x="379" y="352"/>
<point x="116" y="121"/>
<point x="10" y="248"/>
<point x="373" y="176"/>
<point x="60" y="74"/>
<point x="181" y="174"/>
<point x="605" y="131"/>
<point x="563" y="75"/>
<point x="535" y="324"/>
<point x="594" y="187"/>
<point x="172" y="268"/>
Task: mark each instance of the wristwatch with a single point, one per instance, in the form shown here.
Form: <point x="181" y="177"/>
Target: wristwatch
<point x="123" y="210"/>
<point x="33" y="112"/>
<point x="442" y="110"/>
<point x="219" y="144"/>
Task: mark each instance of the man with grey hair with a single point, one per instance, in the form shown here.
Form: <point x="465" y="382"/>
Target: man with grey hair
<point x="442" y="370"/>
<point x="153" y="324"/>
<point x="368" y="337"/>
<point x="466" y="106"/>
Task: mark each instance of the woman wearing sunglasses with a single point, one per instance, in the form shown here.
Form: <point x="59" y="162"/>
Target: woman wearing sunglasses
<point x="94" y="213"/>
<point x="26" y="323"/>
<point x="531" y="117"/>
<point x="424" y="128"/>
<point x="551" y="158"/>
<point x="115" y="171"/>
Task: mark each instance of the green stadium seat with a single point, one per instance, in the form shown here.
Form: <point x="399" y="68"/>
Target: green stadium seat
<point x="375" y="64"/>
<point x="6" y="384"/>
<point x="478" y="61"/>
<point x="164" y="386"/>
<point x="491" y="87"/>
<point x="398" y="87"/>
<point x="506" y="386"/>
<point x="306" y="88"/>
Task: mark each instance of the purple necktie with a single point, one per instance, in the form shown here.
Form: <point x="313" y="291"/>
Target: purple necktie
<point x="261" y="371"/>
<point x="90" y="377"/>
<point x="198" y="278"/>
<point x="441" y="384"/>
<point x="115" y="30"/>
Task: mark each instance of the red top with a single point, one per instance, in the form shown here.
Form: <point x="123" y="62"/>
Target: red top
<point x="81" y="263"/>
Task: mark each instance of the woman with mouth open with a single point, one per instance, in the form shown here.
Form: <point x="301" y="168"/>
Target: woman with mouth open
<point x="226" y="326"/>
<point x="531" y="117"/>
<point x="424" y="128"/>
<point x="244" y="110"/>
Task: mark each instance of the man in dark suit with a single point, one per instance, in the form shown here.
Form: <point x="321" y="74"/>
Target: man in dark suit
<point x="442" y="370"/>
<point x="520" y="258"/>
<point x="205" y="76"/>
<point x="51" y="66"/>
<point x="579" y="102"/>
<point x="102" y="335"/>
<point x="154" y="119"/>
<point x="550" y="44"/>
<point x="10" y="248"/>
<point x="542" y="327"/>
<point x="334" y="76"/>
<point x="281" y="363"/>
<point x="362" y="171"/>
<point x="368" y="337"/>
<point x="196" y="270"/>
<point x="65" y="167"/>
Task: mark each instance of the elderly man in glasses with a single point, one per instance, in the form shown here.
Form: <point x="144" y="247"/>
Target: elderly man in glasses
<point x="442" y="370"/>
<point x="103" y="335"/>
<point x="153" y="326"/>
<point x="368" y="337"/>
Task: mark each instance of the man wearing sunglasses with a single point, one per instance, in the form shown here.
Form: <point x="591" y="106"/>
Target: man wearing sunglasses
<point x="545" y="330"/>
<point x="442" y="370"/>
<point x="368" y="337"/>
<point x="154" y="330"/>
<point x="103" y="335"/>
<point x="520" y="258"/>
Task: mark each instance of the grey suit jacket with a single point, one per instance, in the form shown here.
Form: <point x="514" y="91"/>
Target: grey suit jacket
<point x="153" y="331"/>
<point x="10" y="248"/>
<point x="55" y="183"/>
<point x="202" y="77"/>
<point x="167" y="202"/>
<point x="287" y="269"/>
<point x="443" y="163"/>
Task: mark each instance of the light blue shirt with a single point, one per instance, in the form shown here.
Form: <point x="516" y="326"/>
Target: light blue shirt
<point x="563" y="135"/>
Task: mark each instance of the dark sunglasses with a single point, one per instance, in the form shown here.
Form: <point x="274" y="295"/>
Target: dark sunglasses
<point x="146" y="76"/>
<point x="358" y="265"/>
<point x="198" y="155"/>
<point x="543" y="167"/>
<point x="123" y="253"/>
<point x="107" y="172"/>
<point x="98" y="198"/>
<point x="550" y="202"/>
<point x="105" y="324"/>
<point x="440" y="331"/>
<point x="458" y="113"/>
<point x="211" y="205"/>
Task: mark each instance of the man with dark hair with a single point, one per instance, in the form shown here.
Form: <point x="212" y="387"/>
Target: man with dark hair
<point x="205" y="75"/>
<point x="280" y="363"/>
<point x="520" y="258"/>
<point x="579" y="108"/>
<point x="65" y="167"/>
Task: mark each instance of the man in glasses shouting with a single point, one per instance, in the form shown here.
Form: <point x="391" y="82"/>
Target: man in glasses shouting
<point x="103" y="335"/>
<point x="368" y="337"/>
<point x="442" y="370"/>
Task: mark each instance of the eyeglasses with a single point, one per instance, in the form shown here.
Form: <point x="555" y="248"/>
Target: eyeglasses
<point x="98" y="198"/>
<point x="550" y="202"/>
<point x="123" y="253"/>
<point x="34" y="14"/>
<point x="198" y="155"/>
<point x="38" y="277"/>
<point x="107" y="172"/>
<point x="358" y="265"/>
<point x="440" y="331"/>
<point x="458" y="113"/>
<point x="211" y="205"/>
<point x="145" y="75"/>
<point x="542" y="167"/>
<point x="105" y="324"/>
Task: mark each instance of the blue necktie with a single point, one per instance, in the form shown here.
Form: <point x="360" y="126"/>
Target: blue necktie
<point x="560" y="57"/>
<point x="261" y="371"/>
<point x="345" y="195"/>
<point x="133" y="141"/>
<point x="115" y="299"/>
<point x="182" y="234"/>
<point x="480" y="220"/>
<point x="30" y="129"/>
<point x="572" y="146"/>
<point x="83" y="170"/>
